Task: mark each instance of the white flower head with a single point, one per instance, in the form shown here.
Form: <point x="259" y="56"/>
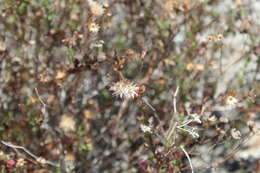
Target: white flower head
<point x="93" y="27"/>
<point x="196" y="118"/>
<point x="125" y="89"/>
<point x="231" y="100"/>
<point x="235" y="133"/>
<point x="98" y="44"/>
<point x="145" y="128"/>
<point x="193" y="133"/>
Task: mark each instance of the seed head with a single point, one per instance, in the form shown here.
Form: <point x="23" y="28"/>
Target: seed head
<point x="96" y="8"/>
<point x="125" y="89"/>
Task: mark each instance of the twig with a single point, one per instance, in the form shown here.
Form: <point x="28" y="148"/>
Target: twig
<point x="174" y="100"/>
<point x="152" y="108"/>
<point x="173" y="126"/>
<point x="220" y="58"/>
<point x="122" y="109"/>
<point x="19" y="147"/>
<point x="44" y="124"/>
<point x="185" y="123"/>
<point x="171" y="131"/>
<point x="38" y="159"/>
<point x="39" y="97"/>
<point x="188" y="157"/>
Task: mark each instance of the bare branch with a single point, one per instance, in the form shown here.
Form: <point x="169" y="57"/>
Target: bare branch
<point x="38" y="159"/>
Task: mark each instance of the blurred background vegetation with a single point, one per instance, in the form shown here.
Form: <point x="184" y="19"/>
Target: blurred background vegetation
<point x="57" y="61"/>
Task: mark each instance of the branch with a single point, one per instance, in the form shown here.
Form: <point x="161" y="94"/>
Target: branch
<point x="38" y="159"/>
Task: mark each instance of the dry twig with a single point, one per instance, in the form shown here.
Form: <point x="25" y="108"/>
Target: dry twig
<point x="38" y="159"/>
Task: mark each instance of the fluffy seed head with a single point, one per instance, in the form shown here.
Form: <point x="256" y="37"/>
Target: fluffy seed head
<point x="125" y="89"/>
<point x="96" y="8"/>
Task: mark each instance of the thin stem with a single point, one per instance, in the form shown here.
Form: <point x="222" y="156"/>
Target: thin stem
<point x="173" y="126"/>
<point x="174" y="100"/>
<point x="39" y="97"/>
<point x="19" y="147"/>
<point x="152" y="108"/>
<point x="188" y="157"/>
<point x="185" y="123"/>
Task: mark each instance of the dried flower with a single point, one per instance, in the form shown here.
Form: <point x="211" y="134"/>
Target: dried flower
<point x="20" y="162"/>
<point x="231" y="100"/>
<point x="60" y="75"/>
<point x="215" y="38"/>
<point x="93" y="27"/>
<point x="67" y="123"/>
<point x="125" y="89"/>
<point x="41" y="160"/>
<point x="190" y="66"/>
<point x="96" y="8"/>
<point x="235" y="133"/>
